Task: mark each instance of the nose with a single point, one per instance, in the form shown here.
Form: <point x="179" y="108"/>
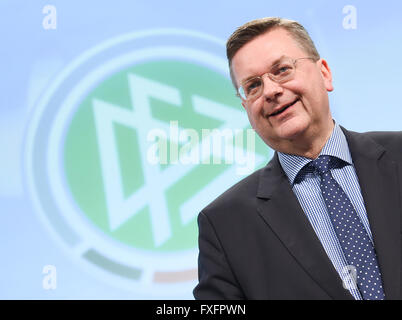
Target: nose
<point x="271" y="89"/>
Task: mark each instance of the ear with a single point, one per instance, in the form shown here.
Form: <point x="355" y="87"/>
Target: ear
<point x="244" y="105"/>
<point x="326" y="75"/>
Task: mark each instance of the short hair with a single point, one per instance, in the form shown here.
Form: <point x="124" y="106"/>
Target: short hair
<point x="254" y="28"/>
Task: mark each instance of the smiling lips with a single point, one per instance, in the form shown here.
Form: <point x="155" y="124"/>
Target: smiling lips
<point x="283" y="108"/>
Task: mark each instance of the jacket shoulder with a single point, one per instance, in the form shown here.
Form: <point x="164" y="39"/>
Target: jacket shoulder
<point x="391" y="141"/>
<point x="238" y="198"/>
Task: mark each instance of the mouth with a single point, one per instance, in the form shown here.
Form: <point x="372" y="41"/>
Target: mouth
<point x="285" y="107"/>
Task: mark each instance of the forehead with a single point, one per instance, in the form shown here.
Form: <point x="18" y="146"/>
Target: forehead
<point x="260" y="53"/>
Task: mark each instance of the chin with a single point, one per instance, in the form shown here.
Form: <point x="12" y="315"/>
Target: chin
<point x="292" y="129"/>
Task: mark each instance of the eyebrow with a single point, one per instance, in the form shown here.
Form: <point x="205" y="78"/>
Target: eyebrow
<point x="276" y="61"/>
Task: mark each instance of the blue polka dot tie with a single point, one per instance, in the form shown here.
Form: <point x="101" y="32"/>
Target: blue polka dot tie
<point x="355" y="242"/>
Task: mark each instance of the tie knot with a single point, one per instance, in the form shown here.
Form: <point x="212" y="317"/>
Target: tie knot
<point x="322" y="164"/>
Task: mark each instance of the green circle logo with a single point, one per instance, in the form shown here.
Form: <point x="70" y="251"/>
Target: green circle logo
<point x="102" y="147"/>
<point x="132" y="140"/>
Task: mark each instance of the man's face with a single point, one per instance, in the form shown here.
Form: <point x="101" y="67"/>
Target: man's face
<point x="309" y="115"/>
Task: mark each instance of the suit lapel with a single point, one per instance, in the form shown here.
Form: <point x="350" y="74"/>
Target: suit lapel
<point x="379" y="183"/>
<point x="280" y="209"/>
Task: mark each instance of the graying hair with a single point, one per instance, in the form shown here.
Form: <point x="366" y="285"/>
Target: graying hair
<point x="254" y="28"/>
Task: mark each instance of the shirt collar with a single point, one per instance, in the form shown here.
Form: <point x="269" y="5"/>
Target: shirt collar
<point x="336" y="146"/>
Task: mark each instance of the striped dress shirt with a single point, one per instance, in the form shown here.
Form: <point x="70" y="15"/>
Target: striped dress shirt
<point x="306" y="187"/>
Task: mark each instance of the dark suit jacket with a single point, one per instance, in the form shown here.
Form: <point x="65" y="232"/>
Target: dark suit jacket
<point x="256" y="242"/>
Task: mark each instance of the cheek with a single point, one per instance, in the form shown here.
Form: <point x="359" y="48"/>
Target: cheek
<point x="298" y="88"/>
<point x="310" y="94"/>
<point x="260" y="124"/>
<point x="256" y="118"/>
<point x="318" y="98"/>
<point x="251" y="118"/>
<point x="251" y="113"/>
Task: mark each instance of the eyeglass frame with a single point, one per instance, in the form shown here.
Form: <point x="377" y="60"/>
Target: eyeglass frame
<point x="271" y="77"/>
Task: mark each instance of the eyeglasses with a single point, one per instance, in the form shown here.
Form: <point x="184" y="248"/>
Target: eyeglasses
<point x="280" y="72"/>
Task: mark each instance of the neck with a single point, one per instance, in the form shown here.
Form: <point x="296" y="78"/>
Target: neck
<point x="308" y="145"/>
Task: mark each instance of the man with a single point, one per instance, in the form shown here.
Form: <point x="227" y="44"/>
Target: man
<point x="322" y="219"/>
